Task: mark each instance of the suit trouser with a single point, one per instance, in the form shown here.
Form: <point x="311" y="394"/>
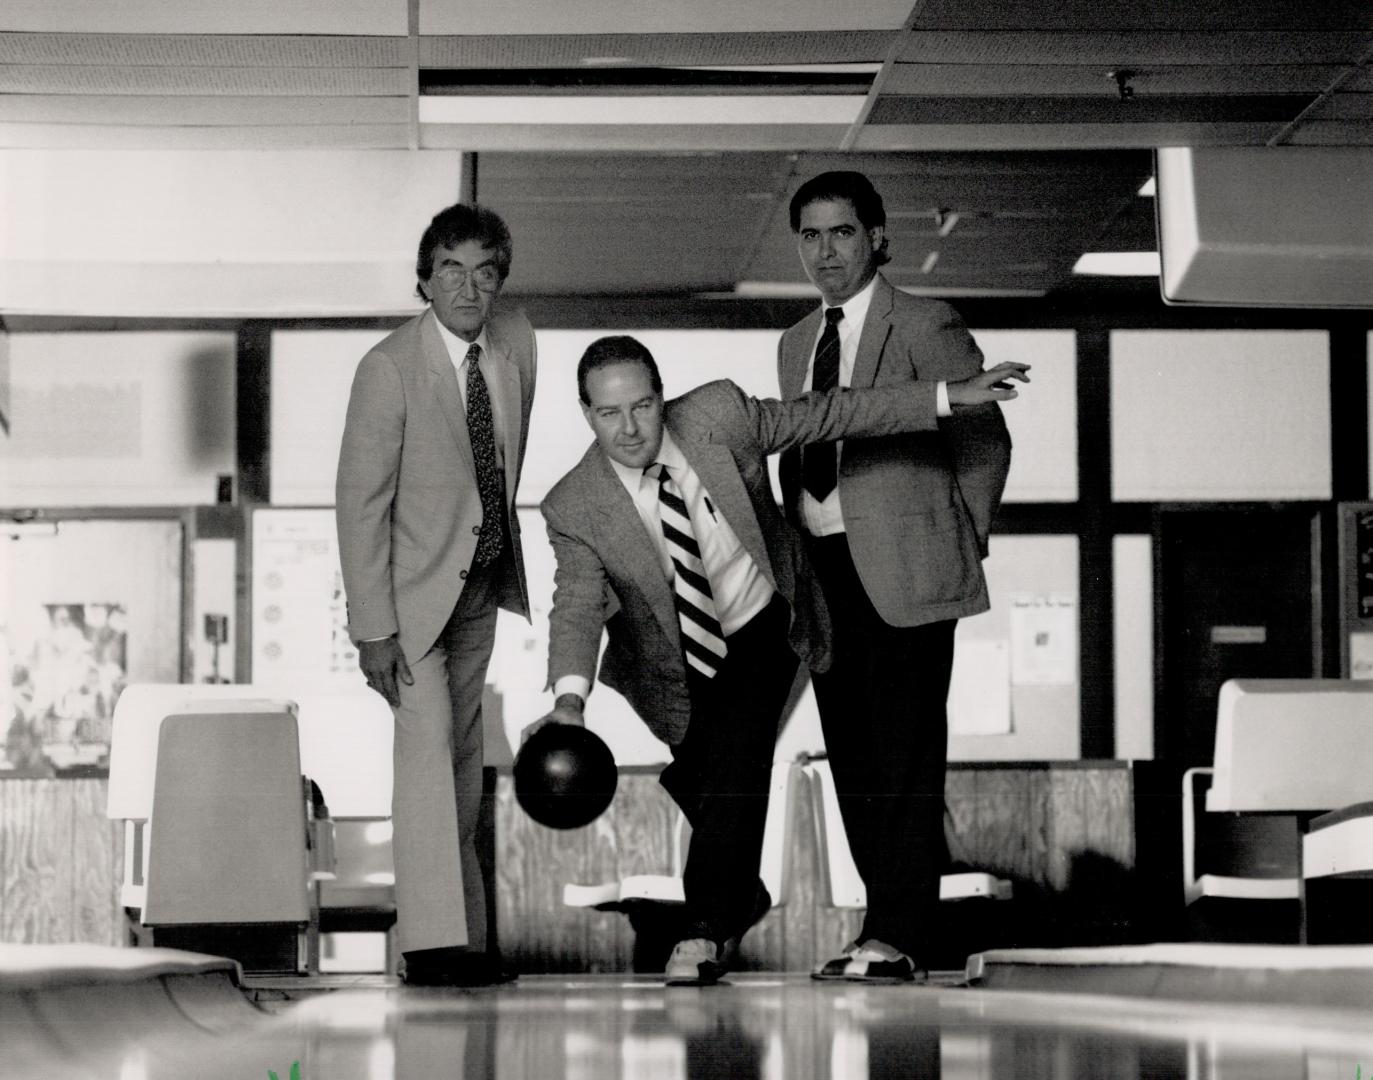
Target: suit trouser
<point x="884" y="714"/>
<point x="440" y="896"/>
<point x="721" y="772"/>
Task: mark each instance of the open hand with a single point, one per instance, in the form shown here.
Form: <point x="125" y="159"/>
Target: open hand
<point x="989" y="385"/>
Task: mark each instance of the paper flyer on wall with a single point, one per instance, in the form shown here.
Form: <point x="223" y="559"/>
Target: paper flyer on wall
<point x="980" y="690"/>
<point x="1043" y="639"/>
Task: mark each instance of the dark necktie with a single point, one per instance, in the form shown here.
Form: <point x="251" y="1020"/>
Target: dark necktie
<point x="703" y="642"/>
<point x="819" y="460"/>
<point x="490" y="486"/>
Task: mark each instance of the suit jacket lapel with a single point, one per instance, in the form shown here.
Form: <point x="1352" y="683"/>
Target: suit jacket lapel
<point x="445" y="384"/>
<point x="716" y="468"/>
<point x="797" y="358"/>
<point x="876" y="327"/>
<point x="512" y="405"/>
<point x="626" y="535"/>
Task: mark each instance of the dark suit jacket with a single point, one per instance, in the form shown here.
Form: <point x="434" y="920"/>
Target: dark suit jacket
<point x="407" y="505"/>
<point x="608" y="573"/>
<point x="918" y="508"/>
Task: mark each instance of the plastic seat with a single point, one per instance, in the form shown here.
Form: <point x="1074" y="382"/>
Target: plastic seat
<point x="841" y="886"/>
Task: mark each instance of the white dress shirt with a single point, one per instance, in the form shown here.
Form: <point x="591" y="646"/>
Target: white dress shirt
<point x="824" y="517"/>
<point x="738" y="586"/>
<point x="457" y="354"/>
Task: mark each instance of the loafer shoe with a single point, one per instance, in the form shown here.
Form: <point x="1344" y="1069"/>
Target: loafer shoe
<point x="834" y="969"/>
<point x="866" y="969"/>
<point x="694" y="962"/>
<point x="871" y="962"/>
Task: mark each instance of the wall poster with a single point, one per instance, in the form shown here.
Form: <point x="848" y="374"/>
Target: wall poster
<point x="86" y="607"/>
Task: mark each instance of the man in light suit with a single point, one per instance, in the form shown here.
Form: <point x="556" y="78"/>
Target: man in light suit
<point x="430" y="546"/>
<point x="897" y="529"/>
<point x="667" y="534"/>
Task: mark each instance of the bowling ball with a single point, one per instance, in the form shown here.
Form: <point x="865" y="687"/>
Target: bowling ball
<point x="565" y="776"/>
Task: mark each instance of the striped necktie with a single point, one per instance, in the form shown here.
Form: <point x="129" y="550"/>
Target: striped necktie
<point x="819" y="461"/>
<point x="703" y="642"/>
<point x="481" y="432"/>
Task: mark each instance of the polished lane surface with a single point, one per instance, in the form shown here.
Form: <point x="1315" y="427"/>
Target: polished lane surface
<point x="611" y="1027"/>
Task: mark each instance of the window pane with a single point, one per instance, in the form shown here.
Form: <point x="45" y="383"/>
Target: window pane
<point x="118" y="419"/>
<point x="1043" y="422"/>
<point x="1134" y="652"/>
<point x="1045" y="724"/>
<point x="1216" y="415"/>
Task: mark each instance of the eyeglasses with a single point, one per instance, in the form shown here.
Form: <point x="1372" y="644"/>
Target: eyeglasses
<point x="486" y="277"/>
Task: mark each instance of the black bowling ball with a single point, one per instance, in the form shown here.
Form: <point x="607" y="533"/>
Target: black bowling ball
<point x="565" y="776"/>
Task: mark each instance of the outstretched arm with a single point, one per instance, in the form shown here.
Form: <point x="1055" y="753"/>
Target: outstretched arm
<point x="576" y="621"/>
<point x="887" y="410"/>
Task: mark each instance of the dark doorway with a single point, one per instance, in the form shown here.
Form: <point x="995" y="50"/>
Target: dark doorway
<point x="1236" y="596"/>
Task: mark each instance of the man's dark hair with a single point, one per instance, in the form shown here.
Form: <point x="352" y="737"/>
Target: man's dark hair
<point x="457" y="224"/>
<point x="853" y="187"/>
<point x="616" y="349"/>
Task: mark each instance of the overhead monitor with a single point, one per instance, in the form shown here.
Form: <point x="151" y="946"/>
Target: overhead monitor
<point x="1266" y="226"/>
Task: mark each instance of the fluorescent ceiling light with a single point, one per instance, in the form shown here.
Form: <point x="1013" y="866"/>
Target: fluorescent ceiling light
<point x="1150" y="188"/>
<point x="791" y="69"/>
<point x="794" y="290"/>
<point x="1119" y="264"/>
<point x="781" y="290"/>
<point x="656" y="109"/>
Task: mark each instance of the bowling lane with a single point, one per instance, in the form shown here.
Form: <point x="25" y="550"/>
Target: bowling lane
<point x="767" y="1027"/>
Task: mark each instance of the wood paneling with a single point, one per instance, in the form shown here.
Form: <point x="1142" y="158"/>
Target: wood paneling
<point x="1063" y="834"/>
<point x="59" y="863"/>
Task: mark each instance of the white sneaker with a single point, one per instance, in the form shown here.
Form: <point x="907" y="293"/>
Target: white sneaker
<point x="694" y="962"/>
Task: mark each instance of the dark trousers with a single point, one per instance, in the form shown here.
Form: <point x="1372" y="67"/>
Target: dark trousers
<point x="884" y="713"/>
<point x="721" y="771"/>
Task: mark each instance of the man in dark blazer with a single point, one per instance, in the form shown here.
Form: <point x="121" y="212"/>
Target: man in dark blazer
<point x="430" y="547"/>
<point x="897" y="529"/>
<point x="667" y="535"/>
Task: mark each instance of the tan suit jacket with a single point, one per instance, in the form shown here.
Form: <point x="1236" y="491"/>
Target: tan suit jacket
<point x="408" y="510"/>
<point x="608" y="573"/>
<point x="917" y="508"/>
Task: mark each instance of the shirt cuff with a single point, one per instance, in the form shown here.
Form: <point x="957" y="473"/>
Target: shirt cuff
<point x="572" y="684"/>
<point x="941" y="399"/>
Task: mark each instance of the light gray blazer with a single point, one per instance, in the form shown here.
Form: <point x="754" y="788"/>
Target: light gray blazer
<point x="918" y="508"/>
<point x="608" y="573"/>
<point x="407" y="505"/>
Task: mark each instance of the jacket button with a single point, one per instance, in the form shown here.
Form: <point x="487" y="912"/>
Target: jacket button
<point x="476" y="530"/>
<point x="462" y="574"/>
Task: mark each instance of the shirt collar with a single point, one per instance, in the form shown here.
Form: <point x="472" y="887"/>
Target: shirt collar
<point x="856" y="306"/>
<point x="457" y="348"/>
<point x="669" y="454"/>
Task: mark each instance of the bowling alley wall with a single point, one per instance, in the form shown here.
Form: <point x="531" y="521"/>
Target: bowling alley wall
<point x="166" y="494"/>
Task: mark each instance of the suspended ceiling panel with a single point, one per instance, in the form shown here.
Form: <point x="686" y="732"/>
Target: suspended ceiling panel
<point x="579" y="49"/>
<point x="705" y="222"/>
<point x="139" y="233"/>
<point x="658" y="16"/>
<point x="207" y="16"/>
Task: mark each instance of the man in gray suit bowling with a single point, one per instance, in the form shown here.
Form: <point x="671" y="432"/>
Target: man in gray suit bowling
<point x="667" y="535"/>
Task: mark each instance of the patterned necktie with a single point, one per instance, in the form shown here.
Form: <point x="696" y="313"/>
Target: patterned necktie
<point x="819" y="461"/>
<point x="490" y="487"/>
<point x="703" y="642"/>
